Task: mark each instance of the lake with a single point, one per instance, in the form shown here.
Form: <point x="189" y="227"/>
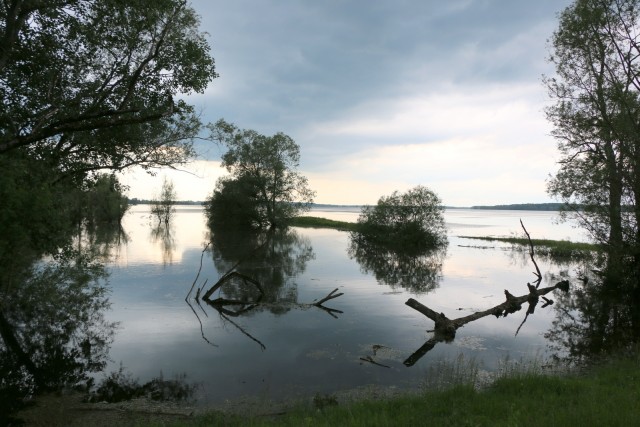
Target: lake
<point x="284" y="347"/>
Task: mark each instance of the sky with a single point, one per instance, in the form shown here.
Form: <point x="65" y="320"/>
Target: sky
<point x="383" y="96"/>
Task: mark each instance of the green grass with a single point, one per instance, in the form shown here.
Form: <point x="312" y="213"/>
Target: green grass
<point x="606" y="395"/>
<point x="554" y="248"/>
<point x="315" y="222"/>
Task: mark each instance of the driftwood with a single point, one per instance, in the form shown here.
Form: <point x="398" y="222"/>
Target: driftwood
<point x="228" y="276"/>
<point x="445" y="328"/>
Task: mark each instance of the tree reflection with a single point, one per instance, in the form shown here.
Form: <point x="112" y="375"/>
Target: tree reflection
<point x="415" y="271"/>
<point x="599" y="316"/>
<point x="272" y="258"/>
<point x="102" y="240"/>
<point x="53" y="328"/>
<point x="163" y="232"/>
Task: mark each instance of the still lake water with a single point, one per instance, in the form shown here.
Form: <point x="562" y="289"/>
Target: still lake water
<point x="290" y="350"/>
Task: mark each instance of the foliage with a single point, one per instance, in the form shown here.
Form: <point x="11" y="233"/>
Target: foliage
<point x="104" y="200"/>
<point x="596" y="94"/>
<point x="409" y="222"/>
<point x="557" y="250"/>
<point x="85" y="86"/>
<point x="599" y="317"/>
<point x="94" y="84"/>
<point x="36" y="215"/>
<point x="162" y="207"/>
<point x="235" y="203"/>
<point x="120" y="386"/>
<point x="266" y="180"/>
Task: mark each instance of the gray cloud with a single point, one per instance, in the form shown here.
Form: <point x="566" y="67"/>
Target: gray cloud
<point x="301" y="67"/>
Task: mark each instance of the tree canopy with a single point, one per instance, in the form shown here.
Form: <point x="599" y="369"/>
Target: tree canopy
<point x="94" y="84"/>
<point x="411" y="221"/>
<point x="264" y="187"/>
<point x="595" y="116"/>
<point x="86" y="86"/>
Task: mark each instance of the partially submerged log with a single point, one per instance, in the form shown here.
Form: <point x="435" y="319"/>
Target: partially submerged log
<point x="445" y="328"/>
<point x="448" y="327"/>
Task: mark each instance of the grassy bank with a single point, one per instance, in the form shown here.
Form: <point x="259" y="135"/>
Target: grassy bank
<point x="553" y="248"/>
<point x="605" y="395"/>
<point x="315" y="222"/>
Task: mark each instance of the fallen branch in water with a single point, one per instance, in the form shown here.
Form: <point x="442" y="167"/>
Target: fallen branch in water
<point x="198" y="275"/>
<point x="445" y="328"/>
<point x="328" y="297"/>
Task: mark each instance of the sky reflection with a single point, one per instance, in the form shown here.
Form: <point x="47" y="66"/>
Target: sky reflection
<point x="305" y="349"/>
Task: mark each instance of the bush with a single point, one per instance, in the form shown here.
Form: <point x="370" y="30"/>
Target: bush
<point x="411" y="221"/>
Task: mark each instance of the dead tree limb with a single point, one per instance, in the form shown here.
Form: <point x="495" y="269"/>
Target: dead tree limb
<point x="510" y="305"/>
<point x="228" y="276"/>
<point x="241" y="329"/>
<point x="328" y="297"/>
<point x="199" y="270"/>
<point x="445" y="328"/>
<point x="531" y="255"/>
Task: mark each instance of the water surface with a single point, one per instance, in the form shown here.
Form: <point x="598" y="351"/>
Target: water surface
<point x="286" y="349"/>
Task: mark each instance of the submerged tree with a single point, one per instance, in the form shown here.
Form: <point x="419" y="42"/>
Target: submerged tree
<point x="162" y="207"/>
<point x="411" y="222"/>
<point x="264" y="178"/>
<point x="595" y="117"/>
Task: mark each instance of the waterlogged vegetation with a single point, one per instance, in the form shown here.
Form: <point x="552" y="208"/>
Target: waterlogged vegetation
<point x="555" y="249"/>
<point x="317" y="222"/>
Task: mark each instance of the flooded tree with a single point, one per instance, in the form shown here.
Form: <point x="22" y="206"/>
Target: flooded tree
<point x="409" y="222"/>
<point x="162" y="207"/>
<point x="596" y="91"/>
<point x="402" y="239"/>
<point x="445" y="328"/>
<point x="264" y="178"/>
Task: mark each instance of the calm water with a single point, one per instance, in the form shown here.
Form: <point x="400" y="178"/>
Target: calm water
<point x="286" y="349"/>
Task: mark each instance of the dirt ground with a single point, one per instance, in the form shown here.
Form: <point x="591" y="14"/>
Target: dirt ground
<point x="68" y="410"/>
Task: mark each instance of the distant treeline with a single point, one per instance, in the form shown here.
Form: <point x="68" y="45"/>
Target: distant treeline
<point x="136" y="201"/>
<point x="524" y="207"/>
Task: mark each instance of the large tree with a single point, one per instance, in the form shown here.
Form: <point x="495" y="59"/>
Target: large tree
<point x="95" y="84"/>
<point x="596" y="118"/>
<point x="264" y="173"/>
<point x="87" y="85"/>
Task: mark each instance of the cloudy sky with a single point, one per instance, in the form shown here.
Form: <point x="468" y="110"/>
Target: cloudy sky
<point x="384" y="95"/>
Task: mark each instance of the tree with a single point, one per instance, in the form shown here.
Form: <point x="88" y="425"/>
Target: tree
<point x="235" y="203"/>
<point x="595" y="117"/>
<point x="93" y="84"/>
<point x="411" y="221"/>
<point x="162" y="207"/>
<point x="88" y="85"/>
<point x="105" y="200"/>
<point x="263" y="169"/>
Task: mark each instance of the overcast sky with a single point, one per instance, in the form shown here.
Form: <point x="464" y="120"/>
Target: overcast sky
<point x="385" y="95"/>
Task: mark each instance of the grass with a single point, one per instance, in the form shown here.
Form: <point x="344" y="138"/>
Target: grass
<point x="605" y="395"/>
<point x="552" y="248"/>
<point x="315" y="222"/>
